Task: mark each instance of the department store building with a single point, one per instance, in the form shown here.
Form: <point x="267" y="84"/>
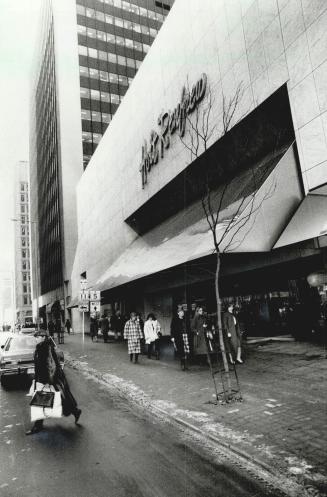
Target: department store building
<point x="252" y="75"/>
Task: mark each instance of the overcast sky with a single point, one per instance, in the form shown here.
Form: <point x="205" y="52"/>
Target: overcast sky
<point x="18" y="21"/>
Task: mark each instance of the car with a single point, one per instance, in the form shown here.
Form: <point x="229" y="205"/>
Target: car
<point x="28" y="329"/>
<point x="4" y="335"/>
<point x="17" y="356"/>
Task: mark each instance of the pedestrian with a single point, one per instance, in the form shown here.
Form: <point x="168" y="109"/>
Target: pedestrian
<point x="118" y="323"/>
<point x="180" y="338"/>
<point x="232" y="335"/>
<point x="94" y="328"/>
<point x="68" y="326"/>
<point x="200" y="329"/>
<point x="51" y="328"/>
<point x="133" y="334"/>
<point x="104" y="326"/>
<point x="60" y="331"/>
<point x="152" y="335"/>
<point x="49" y="372"/>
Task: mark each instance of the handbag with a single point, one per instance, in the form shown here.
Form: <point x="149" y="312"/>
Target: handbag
<point x="42" y="398"/>
<point x="38" y="412"/>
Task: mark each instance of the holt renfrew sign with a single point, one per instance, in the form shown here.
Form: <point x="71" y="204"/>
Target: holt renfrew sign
<point x="169" y="122"/>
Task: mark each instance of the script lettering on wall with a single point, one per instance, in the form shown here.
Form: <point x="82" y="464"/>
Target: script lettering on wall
<point x="169" y="122"/>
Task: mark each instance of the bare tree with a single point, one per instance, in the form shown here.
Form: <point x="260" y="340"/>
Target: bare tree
<point x="229" y="232"/>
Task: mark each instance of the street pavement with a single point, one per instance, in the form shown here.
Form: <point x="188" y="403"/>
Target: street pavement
<point x="280" y="426"/>
<point x="116" y="451"/>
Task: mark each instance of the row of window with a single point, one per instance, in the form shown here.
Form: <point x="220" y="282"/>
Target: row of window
<point x="109" y="57"/>
<point x="121" y="23"/>
<point x="101" y="95"/>
<point x="121" y="4"/>
<point x="96" y="116"/>
<point x="108" y="77"/>
<point x="114" y="39"/>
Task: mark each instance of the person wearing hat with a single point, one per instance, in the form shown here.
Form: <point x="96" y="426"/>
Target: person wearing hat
<point x="48" y="371"/>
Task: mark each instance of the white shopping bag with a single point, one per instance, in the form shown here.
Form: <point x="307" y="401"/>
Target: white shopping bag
<point x="38" y="412"/>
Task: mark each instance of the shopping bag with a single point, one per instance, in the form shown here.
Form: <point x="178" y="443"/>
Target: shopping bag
<point x="42" y="398"/>
<point x="36" y="385"/>
<point x="55" y="411"/>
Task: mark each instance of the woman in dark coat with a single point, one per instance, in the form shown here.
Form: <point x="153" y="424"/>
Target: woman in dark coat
<point x="232" y="335"/>
<point x="94" y="328"/>
<point x="48" y="371"/>
<point x="180" y="338"/>
<point x="200" y="328"/>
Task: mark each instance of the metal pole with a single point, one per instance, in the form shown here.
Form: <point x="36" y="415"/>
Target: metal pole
<point x="83" y="326"/>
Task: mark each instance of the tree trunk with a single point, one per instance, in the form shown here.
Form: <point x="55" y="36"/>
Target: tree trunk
<point x="220" y="329"/>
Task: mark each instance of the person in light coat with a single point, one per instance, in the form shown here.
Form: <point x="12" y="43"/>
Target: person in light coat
<point x="133" y="335"/>
<point x="152" y="335"/>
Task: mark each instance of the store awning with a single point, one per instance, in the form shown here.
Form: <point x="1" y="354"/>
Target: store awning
<point x="309" y="221"/>
<point x="262" y="197"/>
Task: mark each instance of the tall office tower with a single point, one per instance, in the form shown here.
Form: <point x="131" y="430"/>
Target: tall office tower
<point x="88" y="52"/>
<point x="23" y="301"/>
<point x="7" y="315"/>
<point x="113" y="39"/>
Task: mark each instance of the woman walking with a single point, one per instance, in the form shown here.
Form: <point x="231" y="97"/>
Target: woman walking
<point x="133" y="334"/>
<point x="232" y="335"/>
<point x="180" y="337"/>
<point x="48" y="372"/>
<point x="200" y="330"/>
<point x="94" y="328"/>
<point x="152" y="335"/>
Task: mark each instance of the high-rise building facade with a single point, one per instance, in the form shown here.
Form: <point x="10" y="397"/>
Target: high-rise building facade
<point x="113" y="39"/>
<point x="88" y="52"/>
<point x="23" y="302"/>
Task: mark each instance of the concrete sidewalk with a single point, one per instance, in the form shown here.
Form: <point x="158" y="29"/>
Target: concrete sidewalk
<point x="281" y="424"/>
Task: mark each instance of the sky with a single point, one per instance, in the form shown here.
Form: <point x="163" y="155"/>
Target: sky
<point x="18" y="27"/>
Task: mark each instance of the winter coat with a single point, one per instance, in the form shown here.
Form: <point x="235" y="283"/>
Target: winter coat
<point x="151" y="331"/>
<point x="48" y="371"/>
<point x="231" y="327"/>
<point x="94" y="327"/>
<point x="199" y="331"/>
<point x="179" y="333"/>
<point x="133" y="335"/>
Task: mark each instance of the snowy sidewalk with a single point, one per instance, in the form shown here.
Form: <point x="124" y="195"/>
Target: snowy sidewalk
<point x="281" y="423"/>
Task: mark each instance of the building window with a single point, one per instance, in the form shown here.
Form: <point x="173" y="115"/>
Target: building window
<point x="113" y="78"/>
<point x="22" y="187"/>
<point x="81" y="30"/>
<point x="91" y="33"/>
<point x="94" y="73"/>
<point x="96" y="137"/>
<point x="104" y="76"/>
<point x="22" y="208"/>
<point x="87" y="137"/>
<point x="121" y="60"/>
<point x="86" y="114"/>
<point x="106" y="118"/>
<point x="24" y="288"/>
<point x="82" y="50"/>
<point x="24" y="254"/>
<point x="101" y="35"/>
<point x="24" y="276"/>
<point x="102" y="55"/>
<point x="23" y="219"/>
<point x="23" y="242"/>
<point x="114" y="98"/>
<point x="100" y="16"/>
<point x="93" y="53"/>
<point x="112" y="58"/>
<point x="84" y="71"/>
<point x="95" y="94"/>
<point x="25" y="300"/>
<point x="80" y="10"/>
<point x="96" y="116"/>
<point x="85" y="92"/>
<point x="105" y="97"/>
<point x="111" y="38"/>
<point x="22" y="198"/>
<point x="90" y="13"/>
